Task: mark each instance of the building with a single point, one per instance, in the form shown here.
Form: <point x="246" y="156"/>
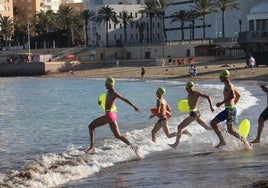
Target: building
<point x="254" y="41"/>
<point x="77" y="7"/>
<point x="71" y="1"/>
<point x="116" y="36"/>
<point x="50" y="5"/>
<point x="6" y="8"/>
<point x="235" y="21"/>
<point x="26" y="10"/>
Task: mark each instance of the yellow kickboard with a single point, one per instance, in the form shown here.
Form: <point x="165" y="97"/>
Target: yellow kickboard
<point x="244" y="128"/>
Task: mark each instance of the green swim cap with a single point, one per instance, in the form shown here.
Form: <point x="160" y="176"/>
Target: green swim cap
<point x="189" y="85"/>
<point x="161" y="91"/>
<point x="225" y="74"/>
<point x="110" y="81"/>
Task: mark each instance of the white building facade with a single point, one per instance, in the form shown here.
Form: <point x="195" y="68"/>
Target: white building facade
<point x="50" y="5"/>
<point x="235" y="22"/>
<point x="116" y="37"/>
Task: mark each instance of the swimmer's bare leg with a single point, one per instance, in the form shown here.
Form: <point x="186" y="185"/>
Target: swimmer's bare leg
<point x="181" y="126"/>
<point x="215" y="127"/>
<point x="91" y="127"/>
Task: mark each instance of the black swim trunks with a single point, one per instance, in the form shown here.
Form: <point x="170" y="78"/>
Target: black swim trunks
<point x="264" y="114"/>
<point x="162" y="118"/>
<point x="195" y="113"/>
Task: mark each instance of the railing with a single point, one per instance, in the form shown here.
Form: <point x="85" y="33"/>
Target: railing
<point x="253" y="36"/>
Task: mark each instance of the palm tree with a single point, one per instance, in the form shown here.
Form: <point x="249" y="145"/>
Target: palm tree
<point x="66" y="15"/>
<point x="164" y="4"/>
<point x="87" y="15"/>
<point x="224" y="5"/>
<point x="44" y="22"/>
<point x="106" y="14"/>
<point x="7" y="28"/>
<point x="152" y="8"/>
<point x="141" y="26"/>
<point x="182" y="17"/>
<point x="126" y="19"/>
<point x="204" y="7"/>
<point x="192" y="15"/>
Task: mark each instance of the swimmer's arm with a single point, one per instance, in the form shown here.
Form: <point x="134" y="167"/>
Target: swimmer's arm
<point x="168" y="108"/>
<point x="209" y="100"/>
<point x="151" y="116"/>
<point x="128" y="102"/>
<point x="229" y="98"/>
<point x="237" y="96"/>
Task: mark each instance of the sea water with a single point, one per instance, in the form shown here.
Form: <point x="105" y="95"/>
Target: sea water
<point x="44" y="130"/>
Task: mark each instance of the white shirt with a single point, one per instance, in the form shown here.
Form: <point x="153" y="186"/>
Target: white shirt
<point x="251" y="61"/>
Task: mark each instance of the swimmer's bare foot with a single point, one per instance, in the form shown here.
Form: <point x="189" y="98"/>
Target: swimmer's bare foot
<point x="136" y="149"/>
<point x="220" y="144"/>
<point x="186" y="132"/>
<point x="249" y="146"/>
<point x="174" y="146"/>
<point x="89" y="150"/>
<point x="256" y="141"/>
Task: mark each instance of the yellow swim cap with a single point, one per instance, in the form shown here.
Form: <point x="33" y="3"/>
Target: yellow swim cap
<point x="189" y="85"/>
<point x="161" y="91"/>
<point x="110" y="81"/>
<point x="225" y="74"/>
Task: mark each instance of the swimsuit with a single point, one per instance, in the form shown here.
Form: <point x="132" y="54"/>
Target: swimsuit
<point x="194" y="113"/>
<point x="264" y="114"/>
<point x="162" y="118"/>
<point x="228" y="114"/>
<point x="112" y="116"/>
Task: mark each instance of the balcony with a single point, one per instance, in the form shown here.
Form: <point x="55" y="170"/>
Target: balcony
<point x="253" y="37"/>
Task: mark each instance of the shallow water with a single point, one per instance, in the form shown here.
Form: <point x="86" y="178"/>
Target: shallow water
<point x="43" y="132"/>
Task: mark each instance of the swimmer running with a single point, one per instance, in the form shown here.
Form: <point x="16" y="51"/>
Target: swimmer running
<point x="110" y="117"/>
<point x="231" y="97"/>
<point x="163" y="106"/>
<point x="194" y="114"/>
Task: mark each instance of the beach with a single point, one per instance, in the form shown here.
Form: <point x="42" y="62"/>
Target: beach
<point x="207" y="70"/>
<point x="55" y="137"/>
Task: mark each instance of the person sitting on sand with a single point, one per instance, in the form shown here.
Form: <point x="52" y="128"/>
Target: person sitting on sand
<point x="231" y="97"/>
<point x="194" y="115"/>
<point x="262" y="118"/>
<point x="161" y="108"/>
<point x="110" y="116"/>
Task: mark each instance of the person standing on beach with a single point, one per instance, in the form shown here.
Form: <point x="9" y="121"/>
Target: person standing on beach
<point x="262" y="118"/>
<point x="110" y="117"/>
<point x="231" y="97"/>
<point x="251" y="62"/>
<point x="161" y="109"/>
<point x="142" y="72"/>
<point x="194" y="115"/>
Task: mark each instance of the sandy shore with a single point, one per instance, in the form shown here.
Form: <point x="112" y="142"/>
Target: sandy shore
<point x="206" y="70"/>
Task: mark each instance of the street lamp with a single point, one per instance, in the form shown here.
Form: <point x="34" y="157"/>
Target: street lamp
<point x="240" y="24"/>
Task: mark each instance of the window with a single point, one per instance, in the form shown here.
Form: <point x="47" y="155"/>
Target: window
<point x="251" y="25"/>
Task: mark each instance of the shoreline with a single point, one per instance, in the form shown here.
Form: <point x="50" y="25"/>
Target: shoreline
<point x="208" y="70"/>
